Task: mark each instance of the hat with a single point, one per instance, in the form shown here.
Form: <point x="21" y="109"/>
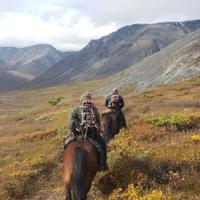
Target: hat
<point x="86" y="97"/>
<point x="115" y="90"/>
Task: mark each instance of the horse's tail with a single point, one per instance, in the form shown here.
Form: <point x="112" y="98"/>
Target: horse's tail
<point x="79" y="174"/>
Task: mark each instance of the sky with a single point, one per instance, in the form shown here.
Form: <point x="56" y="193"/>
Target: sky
<point x="71" y="24"/>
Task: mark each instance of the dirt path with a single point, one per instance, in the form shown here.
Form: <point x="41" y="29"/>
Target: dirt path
<point x="49" y="195"/>
<point x="46" y="195"/>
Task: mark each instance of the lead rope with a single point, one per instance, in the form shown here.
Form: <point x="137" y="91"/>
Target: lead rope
<point x="88" y="113"/>
<point x="91" y="118"/>
<point x="82" y="123"/>
<point x="82" y="120"/>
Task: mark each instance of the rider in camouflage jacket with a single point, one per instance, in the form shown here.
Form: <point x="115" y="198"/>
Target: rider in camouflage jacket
<point x="84" y="116"/>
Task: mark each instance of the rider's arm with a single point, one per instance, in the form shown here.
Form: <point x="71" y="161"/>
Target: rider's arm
<point x="106" y="102"/>
<point x="73" y="120"/>
<point x="97" y="115"/>
<point x="121" y="102"/>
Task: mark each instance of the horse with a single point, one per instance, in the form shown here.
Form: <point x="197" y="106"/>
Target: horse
<point x="110" y="124"/>
<point x="79" y="167"/>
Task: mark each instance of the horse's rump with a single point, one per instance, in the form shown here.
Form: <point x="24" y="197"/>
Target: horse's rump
<point x="80" y="165"/>
<point x="91" y="156"/>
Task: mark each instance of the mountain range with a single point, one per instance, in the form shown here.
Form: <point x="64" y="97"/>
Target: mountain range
<point x="21" y="65"/>
<point x="140" y="54"/>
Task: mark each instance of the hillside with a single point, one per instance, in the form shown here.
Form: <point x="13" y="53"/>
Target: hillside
<point x="178" y="61"/>
<point x="115" y="52"/>
<point x="12" y="80"/>
<point x="4" y="66"/>
<point x="157" y="158"/>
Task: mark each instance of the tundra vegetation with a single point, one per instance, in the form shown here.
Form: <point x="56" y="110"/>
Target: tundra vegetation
<point x="157" y="158"/>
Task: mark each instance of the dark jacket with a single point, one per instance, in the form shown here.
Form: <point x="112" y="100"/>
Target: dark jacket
<point x="76" y="118"/>
<point x="121" y="102"/>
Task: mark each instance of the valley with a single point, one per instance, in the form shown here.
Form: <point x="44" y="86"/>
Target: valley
<point x="156" y="158"/>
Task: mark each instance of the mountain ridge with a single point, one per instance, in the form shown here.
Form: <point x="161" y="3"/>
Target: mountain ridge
<point x="115" y="52"/>
<point x="44" y="66"/>
<point x="178" y="61"/>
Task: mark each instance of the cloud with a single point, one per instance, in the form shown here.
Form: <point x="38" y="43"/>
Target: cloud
<point x="130" y="11"/>
<point x="71" y="24"/>
<point x="67" y="32"/>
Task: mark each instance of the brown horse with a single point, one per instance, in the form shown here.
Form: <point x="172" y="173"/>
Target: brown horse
<point x="110" y="124"/>
<point x="80" y="165"/>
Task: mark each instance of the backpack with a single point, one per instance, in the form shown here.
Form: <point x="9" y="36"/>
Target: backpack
<point x="88" y="118"/>
<point x="114" y="101"/>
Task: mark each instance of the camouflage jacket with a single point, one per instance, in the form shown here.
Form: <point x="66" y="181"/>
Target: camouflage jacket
<point x="76" y="118"/>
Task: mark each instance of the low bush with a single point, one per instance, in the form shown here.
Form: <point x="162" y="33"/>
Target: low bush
<point x="183" y="120"/>
<point x="55" y="100"/>
<point x="134" y="193"/>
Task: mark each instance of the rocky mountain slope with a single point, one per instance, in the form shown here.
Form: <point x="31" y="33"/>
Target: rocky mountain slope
<point x="115" y="52"/>
<point x="178" y="61"/>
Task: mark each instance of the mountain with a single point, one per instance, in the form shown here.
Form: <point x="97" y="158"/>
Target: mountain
<point x="18" y="66"/>
<point x="115" y="52"/>
<point x="178" y="61"/>
<point x="11" y="81"/>
<point x="4" y="66"/>
<point x="33" y="60"/>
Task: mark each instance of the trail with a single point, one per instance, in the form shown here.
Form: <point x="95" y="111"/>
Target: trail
<point x="49" y="193"/>
<point x="46" y="195"/>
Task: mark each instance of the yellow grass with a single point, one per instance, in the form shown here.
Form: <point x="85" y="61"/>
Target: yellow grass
<point x="146" y="162"/>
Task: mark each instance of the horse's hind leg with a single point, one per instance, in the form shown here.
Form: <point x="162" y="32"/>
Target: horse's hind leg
<point x="68" y="193"/>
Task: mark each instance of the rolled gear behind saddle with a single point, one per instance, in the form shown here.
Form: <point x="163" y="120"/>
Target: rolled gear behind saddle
<point x="114" y="102"/>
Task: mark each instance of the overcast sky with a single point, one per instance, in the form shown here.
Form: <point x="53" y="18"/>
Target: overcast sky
<point x="71" y="24"/>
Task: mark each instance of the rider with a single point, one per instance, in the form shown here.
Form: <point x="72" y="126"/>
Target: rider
<point x="85" y="120"/>
<point x="115" y="101"/>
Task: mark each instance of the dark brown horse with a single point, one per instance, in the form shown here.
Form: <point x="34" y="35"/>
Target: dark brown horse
<point x="110" y="124"/>
<point x="80" y="165"/>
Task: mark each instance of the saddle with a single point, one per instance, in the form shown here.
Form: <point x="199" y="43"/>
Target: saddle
<point x="97" y="145"/>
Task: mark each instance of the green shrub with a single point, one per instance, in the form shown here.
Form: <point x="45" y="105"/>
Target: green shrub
<point x="180" y="121"/>
<point x="55" y="100"/>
